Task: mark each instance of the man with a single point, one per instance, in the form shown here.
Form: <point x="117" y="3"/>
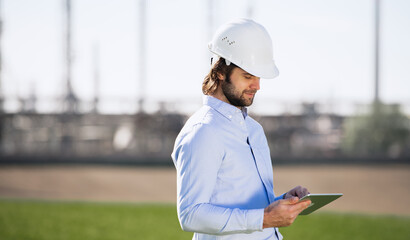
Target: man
<point x="224" y="170"/>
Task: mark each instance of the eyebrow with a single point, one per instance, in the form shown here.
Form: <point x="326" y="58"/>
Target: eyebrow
<point x="247" y="74"/>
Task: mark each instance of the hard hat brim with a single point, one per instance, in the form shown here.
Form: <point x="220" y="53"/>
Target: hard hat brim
<point x="267" y="71"/>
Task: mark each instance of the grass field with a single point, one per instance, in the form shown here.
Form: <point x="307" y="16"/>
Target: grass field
<point x="56" y="220"/>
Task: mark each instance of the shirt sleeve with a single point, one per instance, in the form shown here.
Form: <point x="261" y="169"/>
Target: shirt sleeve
<point x="198" y="156"/>
<point x="280" y="197"/>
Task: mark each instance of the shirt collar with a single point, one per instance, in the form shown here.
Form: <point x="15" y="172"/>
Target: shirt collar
<point x="224" y="108"/>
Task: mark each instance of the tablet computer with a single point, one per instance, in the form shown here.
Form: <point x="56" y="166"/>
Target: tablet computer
<point x="318" y="201"/>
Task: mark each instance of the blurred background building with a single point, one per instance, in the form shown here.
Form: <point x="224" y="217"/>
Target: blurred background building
<point x="114" y="81"/>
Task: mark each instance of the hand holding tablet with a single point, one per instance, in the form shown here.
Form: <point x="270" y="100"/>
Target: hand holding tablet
<point x="318" y="201"/>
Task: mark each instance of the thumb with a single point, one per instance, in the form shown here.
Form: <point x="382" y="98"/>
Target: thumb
<point x="291" y="200"/>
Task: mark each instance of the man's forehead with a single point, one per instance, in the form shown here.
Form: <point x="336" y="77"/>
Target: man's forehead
<point x="243" y="72"/>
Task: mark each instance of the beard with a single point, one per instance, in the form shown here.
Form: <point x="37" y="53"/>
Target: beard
<point x="236" y="97"/>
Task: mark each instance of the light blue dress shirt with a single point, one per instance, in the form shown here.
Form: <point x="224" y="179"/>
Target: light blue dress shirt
<point x="224" y="174"/>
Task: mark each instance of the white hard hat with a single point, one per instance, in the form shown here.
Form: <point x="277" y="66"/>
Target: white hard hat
<point x="248" y="45"/>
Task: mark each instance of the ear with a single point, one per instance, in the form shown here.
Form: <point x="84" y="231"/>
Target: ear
<point x="221" y="77"/>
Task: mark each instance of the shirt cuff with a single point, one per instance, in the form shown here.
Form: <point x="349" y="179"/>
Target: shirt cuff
<point x="255" y="219"/>
<point x="279" y="197"/>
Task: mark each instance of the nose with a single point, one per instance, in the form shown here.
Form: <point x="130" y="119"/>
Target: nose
<point x="255" y="83"/>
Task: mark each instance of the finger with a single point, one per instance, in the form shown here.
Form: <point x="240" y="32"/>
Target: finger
<point x="291" y="200"/>
<point x="305" y="192"/>
<point x="299" y="192"/>
<point x="302" y="205"/>
<point x="306" y="204"/>
<point x="302" y="192"/>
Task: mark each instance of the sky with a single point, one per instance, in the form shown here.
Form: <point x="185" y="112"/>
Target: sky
<point x="324" y="50"/>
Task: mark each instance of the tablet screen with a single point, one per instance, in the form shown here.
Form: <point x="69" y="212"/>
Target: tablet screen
<point x="318" y="201"/>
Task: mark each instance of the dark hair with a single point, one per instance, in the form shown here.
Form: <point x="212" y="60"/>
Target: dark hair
<point x="211" y="81"/>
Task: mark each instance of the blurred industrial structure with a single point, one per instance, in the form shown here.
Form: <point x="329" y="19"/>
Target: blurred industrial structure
<point x="148" y="138"/>
<point x="96" y="137"/>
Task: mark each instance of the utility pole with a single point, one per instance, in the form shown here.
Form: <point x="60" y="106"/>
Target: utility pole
<point x="210" y="19"/>
<point x="96" y="56"/>
<point x="1" y="61"/>
<point x="249" y="10"/>
<point x="70" y="100"/>
<point x="142" y="55"/>
<point x="376" y="50"/>
<point x="2" y="118"/>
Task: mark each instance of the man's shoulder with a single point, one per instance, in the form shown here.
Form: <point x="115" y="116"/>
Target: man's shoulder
<point x="201" y="125"/>
<point x="251" y="121"/>
<point x="204" y="116"/>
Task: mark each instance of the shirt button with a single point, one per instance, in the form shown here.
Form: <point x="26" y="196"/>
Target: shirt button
<point x="230" y="116"/>
<point x="241" y="122"/>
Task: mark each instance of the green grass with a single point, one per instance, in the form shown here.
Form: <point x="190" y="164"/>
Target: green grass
<point x="35" y="220"/>
<point x="334" y="226"/>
